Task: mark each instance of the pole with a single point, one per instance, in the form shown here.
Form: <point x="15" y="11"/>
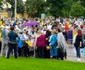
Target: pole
<point x="15" y="9"/>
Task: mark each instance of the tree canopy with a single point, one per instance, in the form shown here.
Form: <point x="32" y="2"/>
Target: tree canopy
<point x="77" y="10"/>
<point x="35" y="8"/>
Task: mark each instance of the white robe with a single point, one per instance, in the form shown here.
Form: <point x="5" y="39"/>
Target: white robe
<point x="61" y="40"/>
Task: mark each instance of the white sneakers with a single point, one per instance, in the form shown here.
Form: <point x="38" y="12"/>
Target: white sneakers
<point x="78" y="59"/>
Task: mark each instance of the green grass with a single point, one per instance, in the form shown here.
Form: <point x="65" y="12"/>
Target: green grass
<point x="38" y="64"/>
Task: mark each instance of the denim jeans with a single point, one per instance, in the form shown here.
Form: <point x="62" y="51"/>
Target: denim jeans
<point x="78" y="52"/>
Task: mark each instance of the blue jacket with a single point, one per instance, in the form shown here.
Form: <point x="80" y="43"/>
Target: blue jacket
<point x="53" y="40"/>
<point x="20" y="43"/>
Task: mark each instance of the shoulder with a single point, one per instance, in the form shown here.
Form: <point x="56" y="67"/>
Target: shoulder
<point x="9" y="32"/>
<point x="56" y="35"/>
<point x="43" y="35"/>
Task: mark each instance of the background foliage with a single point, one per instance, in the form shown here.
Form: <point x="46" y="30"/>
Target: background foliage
<point x="64" y="8"/>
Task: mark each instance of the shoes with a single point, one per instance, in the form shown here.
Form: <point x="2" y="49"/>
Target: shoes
<point x="78" y="59"/>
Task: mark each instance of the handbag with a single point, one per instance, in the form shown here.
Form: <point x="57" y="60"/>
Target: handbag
<point x="47" y="47"/>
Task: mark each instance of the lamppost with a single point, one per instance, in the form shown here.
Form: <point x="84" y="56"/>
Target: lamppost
<point x="15" y="9"/>
<point x="24" y="1"/>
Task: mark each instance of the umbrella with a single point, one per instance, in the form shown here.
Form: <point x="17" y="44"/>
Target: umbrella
<point x="30" y="23"/>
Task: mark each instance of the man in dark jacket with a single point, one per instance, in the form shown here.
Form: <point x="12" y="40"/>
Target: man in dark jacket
<point x="12" y="43"/>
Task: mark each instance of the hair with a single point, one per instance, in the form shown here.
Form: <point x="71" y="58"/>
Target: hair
<point x="37" y="29"/>
<point x="45" y="25"/>
<point x="59" y="30"/>
<point x="55" y="29"/>
<point x="79" y="33"/>
<point x="81" y="26"/>
<point x="27" y="32"/>
<point x="12" y="28"/>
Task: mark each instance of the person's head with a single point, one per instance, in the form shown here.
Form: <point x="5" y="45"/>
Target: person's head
<point x="44" y="27"/>
<point x="24" y="32"/>
<point x="81" y="26"/>
<point x="55" y="30"/>
<point x="56" y="22"/>
<point x="79" y="33"/>
<point x="12" y="28"/>
<point x="38" y="31"/>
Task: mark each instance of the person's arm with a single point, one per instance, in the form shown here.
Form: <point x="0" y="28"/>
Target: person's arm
<point x="80" y="44"/>
<point x="17" y="35"/>
<point x="53" y="40"/>
<point x="8" y="34"/>
<point x="80" y="41"/>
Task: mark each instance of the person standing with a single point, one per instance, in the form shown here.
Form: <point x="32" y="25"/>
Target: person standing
<point x="41" y="44"/>
<point x="20" y="44"/>
<point x="53" y="43"/>
<point x="61" y="45"/>
<point x="12" y="42"/>
<point x="78" y="44"/>
<point x="5" y="32"/>
<point x="47" y="34"/>
<point x="25" y="45"/>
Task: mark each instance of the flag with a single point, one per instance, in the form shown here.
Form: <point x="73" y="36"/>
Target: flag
<point x="8" y="5"/>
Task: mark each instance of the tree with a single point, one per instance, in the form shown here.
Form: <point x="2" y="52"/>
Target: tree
<point x="20" y="6"/>
<point x="35" y="7"/>
<point x="12" y="8"/>
<point x="56" y="7"/>
<point x="77" y="10"/>
<point x="82" y="2"/>
<point x="1" y="3"/>
<point x="67" y="7"/>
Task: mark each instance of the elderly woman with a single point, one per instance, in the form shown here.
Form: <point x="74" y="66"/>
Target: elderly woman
<point x="41" y="44"/>
<point x="12" y="43"/>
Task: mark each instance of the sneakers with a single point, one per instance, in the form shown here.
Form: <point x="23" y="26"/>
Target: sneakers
<point x="78" y="59"/>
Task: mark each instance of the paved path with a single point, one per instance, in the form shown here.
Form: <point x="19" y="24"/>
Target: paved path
<point x="75" y="60"/>
<point x="71" y="54"/>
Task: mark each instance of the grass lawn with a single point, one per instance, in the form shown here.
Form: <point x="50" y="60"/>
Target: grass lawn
<point x="38" y="64"/>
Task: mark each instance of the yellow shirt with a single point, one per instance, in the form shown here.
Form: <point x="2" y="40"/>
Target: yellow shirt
<point x="29" y="43"/>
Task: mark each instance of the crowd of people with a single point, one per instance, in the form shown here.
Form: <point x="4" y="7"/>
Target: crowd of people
<point x="41" y="40"/>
